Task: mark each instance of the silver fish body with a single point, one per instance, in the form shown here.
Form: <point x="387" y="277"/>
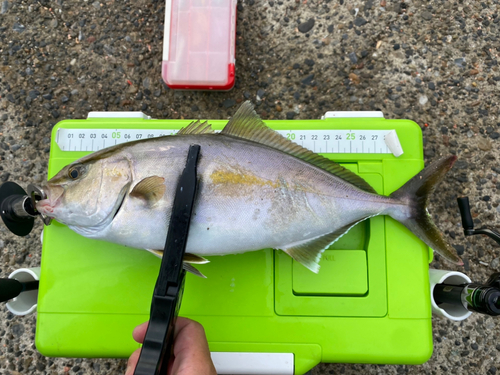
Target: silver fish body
<point x="251" y="195"/>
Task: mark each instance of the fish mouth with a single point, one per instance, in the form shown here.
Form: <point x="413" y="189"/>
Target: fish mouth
<point x="46" y="206"/>
<point x="53" y="198"/>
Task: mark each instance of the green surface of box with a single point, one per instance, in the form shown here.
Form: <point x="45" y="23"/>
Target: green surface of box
<point x="369" y="303"/>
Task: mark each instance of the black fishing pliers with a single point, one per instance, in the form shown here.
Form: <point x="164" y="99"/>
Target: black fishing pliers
<point x="158" y="343"/>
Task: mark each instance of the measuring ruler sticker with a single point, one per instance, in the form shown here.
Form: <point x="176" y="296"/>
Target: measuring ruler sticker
<point x="340" y="141"/>
<point x="319" y="141"/>
<point x="97" y="139"/>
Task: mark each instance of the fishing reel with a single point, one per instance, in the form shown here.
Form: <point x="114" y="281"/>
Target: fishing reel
<point x="468" y="223"/>
<point x="18" y="208"/>
<point x="477" y="297"/>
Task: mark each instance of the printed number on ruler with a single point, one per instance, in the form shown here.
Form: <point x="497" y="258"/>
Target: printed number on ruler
<point x="320" y="141"/>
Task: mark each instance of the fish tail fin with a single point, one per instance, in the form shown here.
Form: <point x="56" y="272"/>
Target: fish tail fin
<point x="415" y="193"/>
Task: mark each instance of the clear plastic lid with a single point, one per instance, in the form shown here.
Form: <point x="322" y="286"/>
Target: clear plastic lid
<point x="199" y="43"/>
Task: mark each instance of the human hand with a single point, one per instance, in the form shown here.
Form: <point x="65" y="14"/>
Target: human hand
<point x="191" y="354"/>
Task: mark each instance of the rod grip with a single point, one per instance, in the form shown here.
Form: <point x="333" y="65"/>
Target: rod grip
<point x="9" y="288"/>
<point x="463" y="204"/>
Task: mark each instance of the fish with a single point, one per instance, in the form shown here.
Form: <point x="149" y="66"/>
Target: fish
<point x="256" y="190"/>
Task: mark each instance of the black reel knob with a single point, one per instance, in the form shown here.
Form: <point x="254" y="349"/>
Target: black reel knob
<point x="16" y="209"/>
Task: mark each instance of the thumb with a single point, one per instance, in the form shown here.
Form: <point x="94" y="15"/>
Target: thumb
<point x="191" y="352"/>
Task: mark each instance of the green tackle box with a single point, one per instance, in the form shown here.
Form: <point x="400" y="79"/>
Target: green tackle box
<point x="369" y="303"/>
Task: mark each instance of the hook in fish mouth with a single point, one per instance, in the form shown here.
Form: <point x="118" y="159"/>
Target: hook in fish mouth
<point x="36" y="194"/>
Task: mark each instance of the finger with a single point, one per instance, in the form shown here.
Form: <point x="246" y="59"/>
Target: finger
<point x="140" y="332"/>
<point x="132" y="362"/>
<point x="190" y="332"/>
<point x="191" y="352"/>
<point x="180" y="324"/>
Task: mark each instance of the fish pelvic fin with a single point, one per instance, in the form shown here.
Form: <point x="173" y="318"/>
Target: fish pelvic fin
<point x="415" y="193"/>
<point x="194" y="259"/>
<point x="248" y="125"/>
<point x="156" y="253"/>
<point x="308" y="253"/>
<point x="188" y="258"/>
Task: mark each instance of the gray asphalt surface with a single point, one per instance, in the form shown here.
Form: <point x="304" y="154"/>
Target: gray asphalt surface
<point x="434" y="62"/>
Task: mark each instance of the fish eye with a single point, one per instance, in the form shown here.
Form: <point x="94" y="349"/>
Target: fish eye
<point x="75" y="172"/>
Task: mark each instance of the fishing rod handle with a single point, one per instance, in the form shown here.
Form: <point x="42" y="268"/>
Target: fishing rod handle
<point x="11" y="288"/>
<point x="467" y="222"/>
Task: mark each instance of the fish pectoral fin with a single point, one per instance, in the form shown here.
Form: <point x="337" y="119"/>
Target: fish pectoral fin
<point x="195" y="259"/>
<point x="308" y="253"/>
<point x="189" y="268"/>
<point x="151" y="189"/>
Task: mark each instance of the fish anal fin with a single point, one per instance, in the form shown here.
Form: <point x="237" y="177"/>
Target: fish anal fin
<point x="248" y="125"/>
<point x="189" y="268"/>
<point x="197" y="127"/>
<point x="308" y="253"/>
<point x="151" y="189"/>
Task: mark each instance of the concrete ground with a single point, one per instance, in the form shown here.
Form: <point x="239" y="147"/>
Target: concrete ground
<point x="434" y="62"/>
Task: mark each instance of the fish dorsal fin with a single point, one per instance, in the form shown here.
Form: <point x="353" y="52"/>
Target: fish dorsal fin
<point x="248" y="125"/>
<point x="150" y="189"/>
<point x="308" y="253"/>
<point x="197" y="127"/>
